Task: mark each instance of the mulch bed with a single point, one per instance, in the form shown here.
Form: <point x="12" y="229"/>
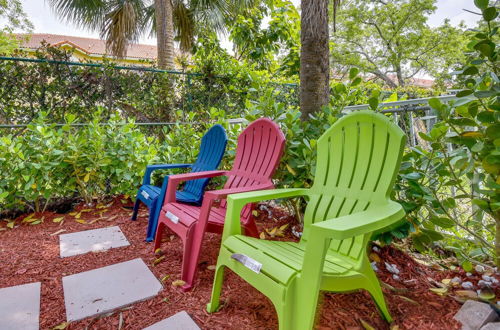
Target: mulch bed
<point x="29" y="253"/>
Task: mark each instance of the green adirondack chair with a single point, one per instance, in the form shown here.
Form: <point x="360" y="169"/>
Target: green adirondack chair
<point x="358" y="158"/>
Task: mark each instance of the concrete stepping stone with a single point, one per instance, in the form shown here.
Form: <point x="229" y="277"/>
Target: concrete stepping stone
<point x="20" y="307"/>
<point x="94" y="240"/>
<point x="474" y="314"/>
<point x="179" y="321"/>
<point x="104" y="289"/>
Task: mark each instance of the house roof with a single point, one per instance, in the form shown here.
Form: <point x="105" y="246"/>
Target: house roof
<point x="88" y="45"/>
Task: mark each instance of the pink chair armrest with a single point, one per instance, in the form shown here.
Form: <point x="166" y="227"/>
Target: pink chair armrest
<point x="175" y="180"/>
<point x="222" y="193"/>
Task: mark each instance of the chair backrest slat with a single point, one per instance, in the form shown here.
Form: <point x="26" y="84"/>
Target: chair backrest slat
<point x="356" y="168"/>
<point x="212" y="148"/>
<point x="258" y="153"/>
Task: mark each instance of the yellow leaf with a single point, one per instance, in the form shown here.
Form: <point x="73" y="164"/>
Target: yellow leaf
<point x="255" y="213"/>
<point x="374" y="257"/>
<point x="446" y="281"/>
<point x="28" y="218"/>
<point x="31" y="220"/>
<point x="178" y="283"/>
<point x="86" y="178"/>
<point x="472" y="134"/>
<point x="158" y="252"/>
<point x="61" y="326"/>
<point x="211" y="267"/>
<point x="439" y="291"/>
<point x="73" y="213"/>
<point x="86" y="210"/>
<point x="35" y="222"/>
<point x="11" y="224"/>
<point x="33" y="186"/>
<point x="366" y="325"/>
<point x="262" y="235"/>
<point x="291" y="170"/>
<point x="164" y="278"/>
<point x="57" y="219"/>
<point x="81" y="221"/>
<point x="158" y="260"/>
<point x="78" y="215"/>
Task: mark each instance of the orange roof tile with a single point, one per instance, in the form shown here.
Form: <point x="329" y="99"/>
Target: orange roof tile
<point x="87" y="45"/>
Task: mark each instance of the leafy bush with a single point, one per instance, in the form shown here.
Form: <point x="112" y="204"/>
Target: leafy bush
<point x="451" y="190"/>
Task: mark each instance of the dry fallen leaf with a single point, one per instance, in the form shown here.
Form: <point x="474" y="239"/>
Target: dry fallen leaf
<point x="211" y="267"/>
<point x="81" y="221"/>
<point x="366" y="325"/>
<point x="262" y="235"/>
<point x="57" y="219"/>
<point x="374" y="257"/>
<point x="439" y="291"/>
<point x="58" y="232"/>
<point x="178" y="283"/>
<point x="158" y="260"/>
<point x="61" y="326"/>
<point x="164" y="278"/>
<point x="11" y="224"/>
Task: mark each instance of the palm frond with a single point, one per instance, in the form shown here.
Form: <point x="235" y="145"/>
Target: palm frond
<point x="122" y="25"/>
<point x="84" y="13"/>
<point x="183" y="24"/>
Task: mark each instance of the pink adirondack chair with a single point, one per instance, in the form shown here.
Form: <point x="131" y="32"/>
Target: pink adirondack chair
<point x="258" y="153"/>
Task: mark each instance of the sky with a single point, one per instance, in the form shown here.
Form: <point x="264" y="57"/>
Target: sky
<point x="45" y="21"/>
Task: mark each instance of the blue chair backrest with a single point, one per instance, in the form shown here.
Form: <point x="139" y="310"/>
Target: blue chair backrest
<point x="213" y="146"/>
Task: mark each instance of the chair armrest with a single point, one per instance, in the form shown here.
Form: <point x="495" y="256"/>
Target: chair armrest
<point x="175" y="180"/>
<point x="236" y="202"/>
<point x="222" y="193"/>
<point x="359" y="223"/>
<point x="151" y="168"/>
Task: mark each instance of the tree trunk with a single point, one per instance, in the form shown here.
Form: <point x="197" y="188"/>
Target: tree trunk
<point x="314" y="57"/>
<point x="164" y="33"/>
<point x="497" y="239"/>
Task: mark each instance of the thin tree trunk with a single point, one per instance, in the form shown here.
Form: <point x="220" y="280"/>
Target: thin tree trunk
<point x="164" y="33"/>
<point x="497" y="239"/>
<point x="314" y="57"/>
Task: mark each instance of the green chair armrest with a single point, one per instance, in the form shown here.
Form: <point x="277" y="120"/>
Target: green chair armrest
<point x="236" y="202"/>
<point x="359" y="223"/>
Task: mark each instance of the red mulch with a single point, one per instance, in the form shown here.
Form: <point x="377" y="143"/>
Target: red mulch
<point x="29" y="253"/>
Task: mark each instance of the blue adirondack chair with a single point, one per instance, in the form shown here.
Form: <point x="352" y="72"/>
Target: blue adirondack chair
<point x="213" y="145"/>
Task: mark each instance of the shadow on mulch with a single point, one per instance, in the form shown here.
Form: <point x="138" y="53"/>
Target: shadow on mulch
<point x="30" y="253"/>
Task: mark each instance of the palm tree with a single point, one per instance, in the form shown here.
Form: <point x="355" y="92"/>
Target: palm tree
<point x="314" y="55"/>
<point x="121" y="22"/>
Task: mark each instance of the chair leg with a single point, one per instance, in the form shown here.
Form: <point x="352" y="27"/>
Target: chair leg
<point x="251" y="229"/>
<point x="190" y="259"/>
<point x="216" y="289"/>
<point x="136" y="208"/>
<point x="159" y="235"/>
<point x="152" y="222"/>
<point x="373" y="287"/>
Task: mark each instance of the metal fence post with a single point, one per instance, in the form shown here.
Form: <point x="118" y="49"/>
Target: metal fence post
<point x="189" y="96"/>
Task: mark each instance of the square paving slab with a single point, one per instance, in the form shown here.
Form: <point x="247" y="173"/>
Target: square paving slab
<point x="104" y="289"/>
<point x="20" y="307"/>
<point x="94" y="240"/>
<point x="179" y="321"/>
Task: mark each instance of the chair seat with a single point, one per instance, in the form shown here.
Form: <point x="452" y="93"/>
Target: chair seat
<point x="283" y="260"/>
<point x="189" y="214"/>
<point x="149" y="193"/>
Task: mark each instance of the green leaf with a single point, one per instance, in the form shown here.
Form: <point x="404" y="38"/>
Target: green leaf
<point x="442" y="222"/>
<point x="425" y="137"/>
<point x="435" y="103"/>
<point x="356" y="82"/>
<point x="471" y="70"/>
<point x="493" y="131"/>
<point x="484" y="94"/>
<point x="490" y="14"/>
<point x="463" y="122"/>
<point x="481" y="4"/>
<point x="464" y="92"/>
<point x="486" y="117"/>
<point x="373" y="102"/>
<point x="353" y="73"/>
<point x="467" y="266"/>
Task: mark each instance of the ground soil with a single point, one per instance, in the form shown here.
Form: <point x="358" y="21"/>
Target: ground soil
<point x="30" y="253"/>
